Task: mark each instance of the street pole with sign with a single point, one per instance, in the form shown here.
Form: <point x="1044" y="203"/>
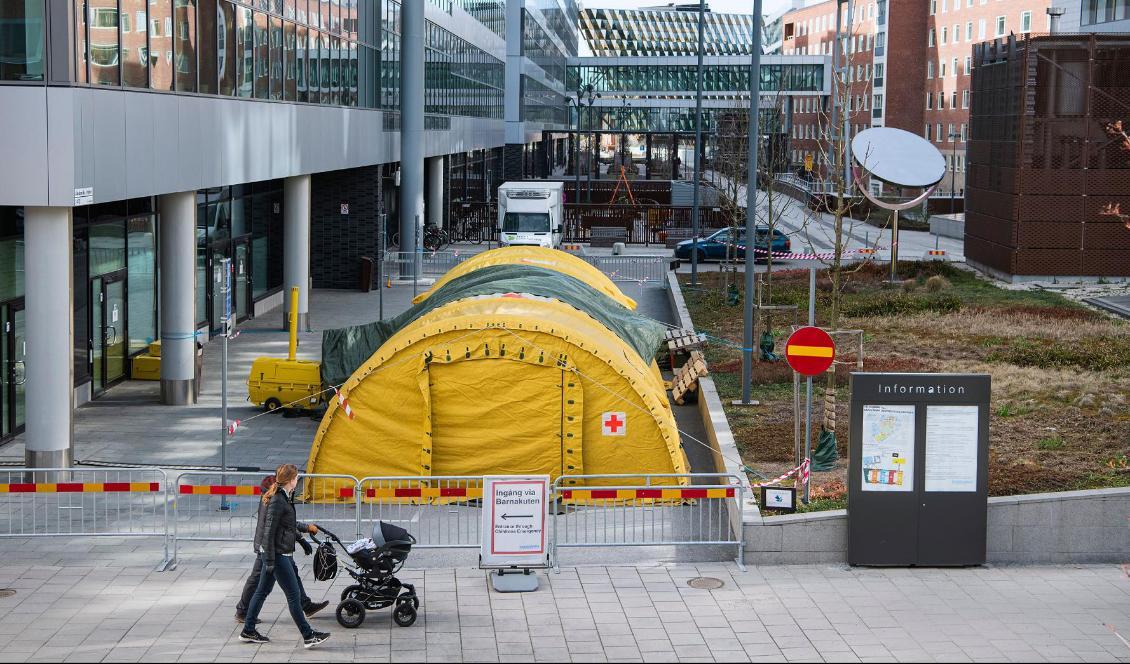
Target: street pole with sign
<point x="228" y="324"/>
<point x="809" y="351"/>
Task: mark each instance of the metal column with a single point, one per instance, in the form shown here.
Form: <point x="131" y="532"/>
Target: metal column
<point x="48" y="242"/>
<point x="411" y="129"/>
<point x="178" y="298"/>
<point x="296" y="247"/>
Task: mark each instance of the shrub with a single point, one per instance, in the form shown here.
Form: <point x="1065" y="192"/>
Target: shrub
<point x="902" y="304"/>
<point x="937" y="284"/>
<point x="908" y="285"/>
<point x="1095" y="354"/>
<point x="1054" y="443"/>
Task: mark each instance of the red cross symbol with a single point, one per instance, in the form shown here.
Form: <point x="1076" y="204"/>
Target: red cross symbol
<point x="614" y="424"/>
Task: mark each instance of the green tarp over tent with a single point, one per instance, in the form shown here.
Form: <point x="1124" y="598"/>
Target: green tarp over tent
<point x="345" y="349"/>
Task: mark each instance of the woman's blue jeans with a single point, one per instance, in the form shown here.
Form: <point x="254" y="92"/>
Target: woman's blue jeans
<point x="287" y="576"/>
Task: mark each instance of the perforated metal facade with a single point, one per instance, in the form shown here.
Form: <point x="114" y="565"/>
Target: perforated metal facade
<point x="1048" y="166"/>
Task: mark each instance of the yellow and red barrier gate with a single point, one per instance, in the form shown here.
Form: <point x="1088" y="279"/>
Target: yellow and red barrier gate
<point x="675" y="511"/>
<point x="85" y="502"/>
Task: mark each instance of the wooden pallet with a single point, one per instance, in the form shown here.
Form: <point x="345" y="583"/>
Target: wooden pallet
<point x="686" y="377"/>
<point x="682" y="342"/>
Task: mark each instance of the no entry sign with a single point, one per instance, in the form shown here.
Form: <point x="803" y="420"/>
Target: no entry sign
<point x="810" y="351"/>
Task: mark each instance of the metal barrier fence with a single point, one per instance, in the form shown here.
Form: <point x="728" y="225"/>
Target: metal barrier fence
<point x="427" y="264"/>
<point x="103" y="502"/>
<point x="214" y="506"/>
<point x="650" y="269"/>
<point x="439" y="511"/>
<point x="607" y="511"/>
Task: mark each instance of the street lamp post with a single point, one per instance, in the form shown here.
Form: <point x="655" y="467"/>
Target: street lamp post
<point x="698" y="143"/>
<point x="751" y="203"/>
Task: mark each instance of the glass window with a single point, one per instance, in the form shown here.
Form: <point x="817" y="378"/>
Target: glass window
<point x="335" y="70"/>
<point x="314" y="66"/>
<point x="324" y="56"/>
<point x="262" y="56"/>
<point x="1026" y="21"/>
<point x="103" y="31"/>
<point x="184" y="44"/>
<point x="227" y="56"/>
<point x="288" y="9"/>
<point x="11" y="253"/>
<point x="80" y="41"/>
<point x="300" y="10"/>
<point x="324" y="11"/>
<point x="1000" y="26"/>
<point x="289" y="85"/>
<point x="107" y="247"/>
<point x="135" y="51"/>
<point x="300" y="62"/>
<point x="141" y="238"/>
<point x="208" y="45"/>
<point x="276" y="58"/>
<point x="161" y="44"/>
<point x="245" y="51"/>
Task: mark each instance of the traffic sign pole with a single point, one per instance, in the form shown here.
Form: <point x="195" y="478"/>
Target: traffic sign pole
<point x="810" y="351"/>
<point x="808" y="387"/>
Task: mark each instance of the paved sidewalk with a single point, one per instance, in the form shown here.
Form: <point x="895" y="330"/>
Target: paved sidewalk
<point x="91" y="600"/>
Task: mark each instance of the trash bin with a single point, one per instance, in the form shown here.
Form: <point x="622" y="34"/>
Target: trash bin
<point x="366" y="274"/>
<point x="199" y="373"/>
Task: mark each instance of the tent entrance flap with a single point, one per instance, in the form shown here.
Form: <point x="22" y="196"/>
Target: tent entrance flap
<point x="468" y="397"/>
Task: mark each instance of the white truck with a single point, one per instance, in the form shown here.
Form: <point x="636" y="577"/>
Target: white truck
<point x="531" y="213"/>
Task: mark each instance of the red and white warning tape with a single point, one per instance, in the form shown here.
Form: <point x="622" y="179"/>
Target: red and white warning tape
<point x="803" y="469"/>
<point x="821" y="255"/>
<point x="344" y="403"/>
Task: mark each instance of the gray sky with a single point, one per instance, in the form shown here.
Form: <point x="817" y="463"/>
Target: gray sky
<point x="722" y="6"/>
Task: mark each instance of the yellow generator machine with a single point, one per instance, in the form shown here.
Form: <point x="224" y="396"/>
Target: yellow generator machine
<point x="291" y="383"/>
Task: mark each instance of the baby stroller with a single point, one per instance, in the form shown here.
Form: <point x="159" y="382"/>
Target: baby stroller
<point x="375" y="561"/>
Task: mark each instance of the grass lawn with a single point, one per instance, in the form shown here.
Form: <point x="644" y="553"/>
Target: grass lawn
<point x="1061" y="372"/>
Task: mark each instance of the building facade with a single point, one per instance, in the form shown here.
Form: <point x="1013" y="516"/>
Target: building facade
<point x="1049" y="157"/>
<point x="159" y="140"/>
<point x="1091" y="16"/>
<point x="908" y="65"/>
<point x="668" y="30"/>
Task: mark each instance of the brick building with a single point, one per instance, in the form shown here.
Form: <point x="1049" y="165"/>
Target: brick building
<point x="909" y="67"/>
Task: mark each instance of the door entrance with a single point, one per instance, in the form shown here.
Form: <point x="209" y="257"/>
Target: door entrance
<point x="13" y="370"/>
<point x="108" y="340"/>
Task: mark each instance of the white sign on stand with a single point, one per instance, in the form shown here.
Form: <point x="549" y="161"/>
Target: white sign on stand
<point x="515" y="533"/>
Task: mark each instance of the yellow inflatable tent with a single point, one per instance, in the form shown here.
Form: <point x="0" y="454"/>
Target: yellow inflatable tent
<point x="501" y="384"/>
<point x="550" y="259"/>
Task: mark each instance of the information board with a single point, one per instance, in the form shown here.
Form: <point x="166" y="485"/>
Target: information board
<point x="918" y="469"/>
<point x="888" y="448"/>
<point x="515" y="515"/>
<point x="951" y="448"/>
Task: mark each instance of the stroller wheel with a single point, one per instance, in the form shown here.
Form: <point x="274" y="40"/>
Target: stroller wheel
<point x="351" y="613"/>
<point x="351" y="591"/>
<point x="404" y="614"/>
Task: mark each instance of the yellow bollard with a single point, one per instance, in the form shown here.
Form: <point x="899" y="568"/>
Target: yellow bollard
<point x="293" y="324"/>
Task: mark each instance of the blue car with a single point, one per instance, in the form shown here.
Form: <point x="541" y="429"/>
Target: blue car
<point x="713" y="246"/>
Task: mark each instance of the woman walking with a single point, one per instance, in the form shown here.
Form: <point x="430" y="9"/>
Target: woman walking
<point x="309" y="606"/>
<point x="280" y="532"/>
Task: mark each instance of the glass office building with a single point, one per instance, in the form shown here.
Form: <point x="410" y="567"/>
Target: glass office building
<point x="232" y="103"/>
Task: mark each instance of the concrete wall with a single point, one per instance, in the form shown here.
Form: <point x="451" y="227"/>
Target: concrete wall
<point x="718" y="433"/>
<point x="948" y="226"/>
<point x="1065" y="527"/>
